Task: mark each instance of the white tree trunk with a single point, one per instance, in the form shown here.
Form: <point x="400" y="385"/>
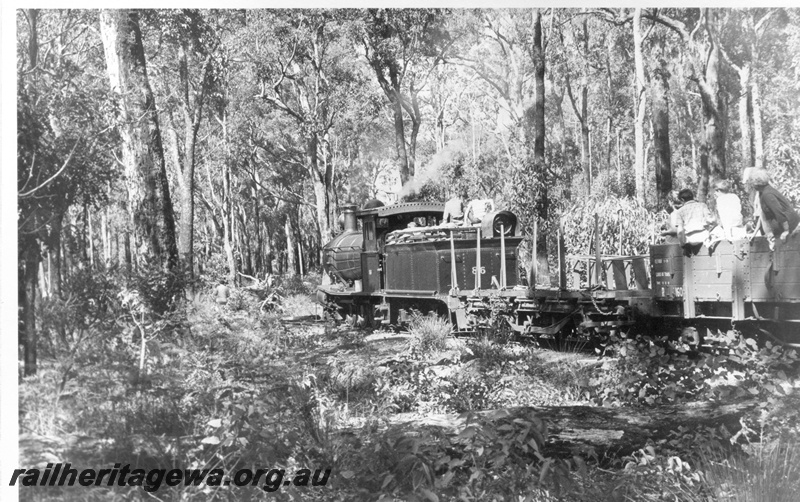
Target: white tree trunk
<point x="641" y="106"/>
<point x="758" y="132"/>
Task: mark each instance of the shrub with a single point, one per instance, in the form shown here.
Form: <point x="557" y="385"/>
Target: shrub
<point x="158" y="289"/>
<point x="654" y="370"/>
<point x="299" y="305"/>
<point x="295" y="285"/>
<point x="429" y="333"/>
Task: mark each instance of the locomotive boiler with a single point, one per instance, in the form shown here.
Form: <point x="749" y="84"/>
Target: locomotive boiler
<point x="393" y="259"/>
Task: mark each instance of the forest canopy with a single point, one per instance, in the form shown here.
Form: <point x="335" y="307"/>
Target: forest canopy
<point x="186" y="145"/>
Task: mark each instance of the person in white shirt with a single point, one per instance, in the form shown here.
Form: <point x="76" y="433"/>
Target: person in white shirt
<point x="477" y="209"/>
<point x="729" y="211"/>
<point x="453" y="212"/>
<point x="694" y="221"/>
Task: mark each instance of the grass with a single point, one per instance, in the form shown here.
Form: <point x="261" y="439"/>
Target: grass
<point x="770" y="473"/>
<point x="429" y="333"/>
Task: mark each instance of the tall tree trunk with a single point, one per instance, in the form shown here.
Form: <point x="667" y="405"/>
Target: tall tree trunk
<point x="712" y="150"/>
<point x="28" y="279"/>
<point x="583" y="113"/>
<point x="586" y="161"/>
<point x="400" y="139"/>
<point x="704" y="71"/>
<point x="539" y="97"/>
<point x="291" y="264"/>
<point x="149" y="200"/>
<point x="226" y="204"/>
<point x="127" y="250"/>
<point x="192" y="107"/>
<point x="641" y="107"/>
<point x="319" y="182"/>
<point x="227" y="227"/>
<point x="537" y="128"/>
<point x="259" y="261"/>
<point x="54" y="245"/>
<point x="245" y="246"/>
<point x="758" y="132"/>
<point x="745" y="112"/>
<point x="89" y="234"/>
<point x="105" y="233"/>
<point x="268" y="257"/>
<point x="416" y="122"/>
<point x="660" y="113"/>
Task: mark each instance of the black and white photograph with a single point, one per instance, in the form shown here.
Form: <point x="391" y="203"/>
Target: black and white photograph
<point x="401" y="253"/>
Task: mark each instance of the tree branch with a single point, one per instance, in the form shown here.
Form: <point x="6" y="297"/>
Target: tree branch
<point x="51" y="178"/>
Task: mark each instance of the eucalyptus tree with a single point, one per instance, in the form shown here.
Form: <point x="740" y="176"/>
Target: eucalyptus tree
<point x="745" y="41"/>
<point x="403" y="46"/>
<point x="663" y="54"/>
<point x="149" y="199"/>
<point x="303" y="69"/>
<point x="698" y="29"/>
<point x="576" y="39"/>
<point x="187" y="64"/>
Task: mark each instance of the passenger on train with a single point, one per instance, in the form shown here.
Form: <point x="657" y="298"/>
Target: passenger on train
<point x="453" y="211"/>
<point x="670" y="229"/>
<point x="477" y="209"/>
<point x="694" y="222"/>
<point x="729" y="211"/>
<point x="775" y="210"/>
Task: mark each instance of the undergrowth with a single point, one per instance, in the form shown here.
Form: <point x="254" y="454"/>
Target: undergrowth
<point x="235" y="387"/>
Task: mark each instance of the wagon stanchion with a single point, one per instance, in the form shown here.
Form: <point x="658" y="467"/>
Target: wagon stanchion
<point x="598" y="259"/>
<point x="562" y="265"/>
<point x="502" y="257"/>
<point x="478" y="271"/>
<point x="453" y="269"/>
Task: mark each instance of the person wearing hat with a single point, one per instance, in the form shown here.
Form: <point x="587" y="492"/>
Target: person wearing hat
<point x="776" y="210"/>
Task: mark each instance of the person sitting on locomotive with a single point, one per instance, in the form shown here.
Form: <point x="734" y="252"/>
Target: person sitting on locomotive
<point x="729" y="211"/>
<point x="694" y="222"/>
<point x="477" y="209"/>
<point x="776" y="210"/>
<point x="670" y="229"/>
<point x="453" y="211"/>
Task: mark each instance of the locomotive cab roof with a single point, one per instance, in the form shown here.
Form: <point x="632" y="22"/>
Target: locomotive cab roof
<point x="404" y="208"/>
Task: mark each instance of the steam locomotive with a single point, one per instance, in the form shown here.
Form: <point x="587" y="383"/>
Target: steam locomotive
<point x="401" y="259"/>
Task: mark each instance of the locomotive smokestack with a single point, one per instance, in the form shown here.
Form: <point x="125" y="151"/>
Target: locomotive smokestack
<point x="349" y="213"/>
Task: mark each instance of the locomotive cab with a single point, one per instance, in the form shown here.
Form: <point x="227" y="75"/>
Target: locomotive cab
<point x="379" y="221"/>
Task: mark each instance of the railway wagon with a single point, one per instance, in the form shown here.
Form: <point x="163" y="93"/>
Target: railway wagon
<point x="401" y="259"/>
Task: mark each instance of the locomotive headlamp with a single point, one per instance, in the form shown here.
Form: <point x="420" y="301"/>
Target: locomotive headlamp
<point x="499" y="221"/>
